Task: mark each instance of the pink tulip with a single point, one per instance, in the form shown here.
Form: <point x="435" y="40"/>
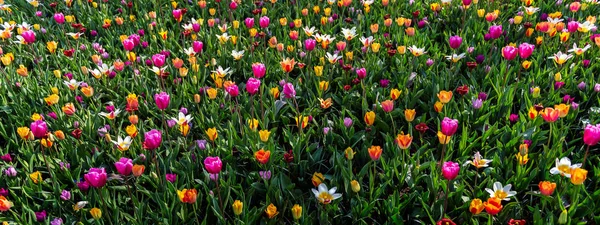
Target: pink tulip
<point x="39" y="128"/>
<point x="509" y="52"/>
<point x="59" y="18"/>
<point x="525" y="50"/>
<point x="450" y="170"/>
<point x="466" y="2"/>
<point x="264" y="22"/>
<point x="233" y="5"/>
<point x="449" y="126"/>
<point x="196" y="27"/>
<point x="124" y="166"/>
<point x="387" y="106"/>
<point x="309" y="44"/>
<point x="252" y="85"/>
<point x="259" y="70"/>
<point x="158" y="60"/>
<point x="455" y="41"/>
<point x="495" y="31"/>
<point x="213" y="165"/>
<point x="177" y="14"/>
<point x="249" y="22"/>
<point x="591" y="134"/>
<point x="162" y="100"/>
<point x="233" y="90"/>
<point x="572" y="26"/>
<point x="361" y="73"/>
<point x="197" y="46"/>
<point x="28" y="36"/>
<point x="289" y="91"/>
<point x="128" y="44"/>
<point x="96" y="177"/>
<point x="152" y="139"/>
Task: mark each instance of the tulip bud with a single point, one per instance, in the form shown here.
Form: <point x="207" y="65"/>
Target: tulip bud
<point x="562" y="219"/>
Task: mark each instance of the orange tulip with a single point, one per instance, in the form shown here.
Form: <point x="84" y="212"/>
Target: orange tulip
<point x="476" y="206"/>
<point x="562" y="109"/>
<point x="375" y="152"/>
<point x="549" y="114"/>
<point x="409" y="114"/>
<point x="403" y="140"/>
<point x="547" y="188"/>
<point x="370" y="118"/>
<point x="493" y="206"/>
<point x="445" y="96"/>
<point x="262" y="156"/>
<point x="138" y="170"/>
<point x="187" y="195"/>
<point x="287" y="65"/>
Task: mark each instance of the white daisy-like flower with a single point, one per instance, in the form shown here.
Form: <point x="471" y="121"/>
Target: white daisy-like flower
<point x="223" y="37"/>
<point x="455" y="57"/>
<point x="237" y="55"/>
<point x="501" y="192"/>
<point x="579" y="51"/>
<point x="416" y="51"/>
<point x="333" y="58"/>
<point x="309" y="31"/>
<point x="111" y="115"/>
<point x="349" y="34"/>
<point x="220" y="72"/>
<point x="478" y="161"/>
<point x="586" y="27"/>
<point x="324" y="195"/>
<point x="564" y="167"/>
<point x="366" y="41"/>
<point x="72" y="84"/>
<point x="75" y="35"/>
<point x="183" y="119"/>
<point x="123" y="144"/>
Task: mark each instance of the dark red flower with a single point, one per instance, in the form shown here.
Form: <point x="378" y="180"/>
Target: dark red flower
<point x="288" y="156"/>
<point x="516" y="222"/>
<point x="471" y="65"/>
<point x="462" y="90"/>
<point x="347" y="87"/>
<point x="422" y="127"/>
<point x="445" y="221"/>
<point x="69" y="52"/>
<point x="76" y="133"/>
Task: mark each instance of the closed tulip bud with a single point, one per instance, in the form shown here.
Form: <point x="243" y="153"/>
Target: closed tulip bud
<point x="409" y="114"/>
<point x="355" y="186"/>
<point x="138" y="170"/>
<point x="564" y="217"/>
<point x="349" y="153"/>
<point x="238" y="206"/>
<point x="197" y="98"/>
<point x="96" y="213"/>
<point x="297" y="211"/>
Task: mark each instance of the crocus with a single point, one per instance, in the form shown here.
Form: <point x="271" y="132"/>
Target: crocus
<point x="509" y="52"/>
<point x="455" y="41"/>
<point x="252" y="85"/>
<point x="525" y="50"/>
<point x="450" y="170"/>
<point x="96" y="177"/>
<point x="124" y="166"/>
<point x="152" y="139"/>
<point x="213" y="164"/>
<point x="591" y="134"/>
<point x="158" y="60"/>
<point x="162" y="100"/>
<point x="449" y="126"/>
<point x="259" y="70"/>
<point x="39" y="128"/>
<point x="289" y="91"/>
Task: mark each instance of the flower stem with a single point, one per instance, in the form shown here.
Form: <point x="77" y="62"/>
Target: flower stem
<point x="587" y="150"/>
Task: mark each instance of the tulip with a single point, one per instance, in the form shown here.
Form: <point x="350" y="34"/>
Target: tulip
<point x="138" y="170"/>
<point x="369" y="118"/>
<point x="237" y="206"/>
<point x="549" y="114"/>
<point x="572" y="26"/>
<point x="375" y="152"/>
<point x="59" y="18"/>
<point x="450" y="170"/>
<point x="409" y="114"/>
<point x="297" y="211"/>
<point x="455" y="41"/>
<point x="476" y="206"/>
<point x="591" y="134"/>
<point x="187" y="195"/>
<point x="213" y="165"/>
<point x="445" y="96"/>
<point x="509" y="52"/>
<point x="395" y="93"/>
<point x="387" y="105"/>
<point x="96" y="213"/>
<point x="262" y="156"/>
<point x="249" y="22"/>
<point x="41" y="216"/>
<point x="197" y="46"/>
<point x="252" y="85"/>
<point x="495" y="31"/>
<point x="446" y="221"/>
<point x="578" y="176"/>
<point x="361" y="73"/>
<point x="28" y="36"/>
<point x="289" y="91"/>
<point x="309" y="44"/>
<point x="171" y="177"/>
<point x="96" y="177"/>
<point x="259" y="70"/>
<point x="39" y="128"/>
<point x="493" y="206"/>
<point x="128" y="44"/>
<point x="546" y="187"/>
<point x="403" y="140"/>
<point x="477" y="103"/>
<point x="152" y="139"/>
<point x="449" y="126"/>
<point x="271" y="211"/>
<point x="263" y="22"/>
<point x="525" y="50"/>
<point x="162" y="100"/>
<point x="124" y="166"/>
<point x="158" y="60"/>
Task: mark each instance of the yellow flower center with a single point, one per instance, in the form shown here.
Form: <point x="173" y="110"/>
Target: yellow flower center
<point x="325" y="197"/>
<point x="500" y="194"/>
<point x="564" y="169"/>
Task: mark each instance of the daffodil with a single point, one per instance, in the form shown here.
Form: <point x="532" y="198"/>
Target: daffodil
<point x="500" y="192"/>
<point x="324" y="195"/>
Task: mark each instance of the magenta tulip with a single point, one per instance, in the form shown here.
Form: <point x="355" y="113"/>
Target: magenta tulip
<point x="59" y="18"/>
<point x="152" y="139"/>
<point x="249" y="22"/>
<point x="450" y="170"/>
<point x="96" y="177"/>
<point x="264" y="22"/>
<point x="197" y="46"/>
<point x="124" y="166"/>
<point x="591" y="134"/>
<point x="213" y="165"/>
<point x="158" y="60"/>
<point x="39" y="128"/>
<point x="309" y="44"/>
<point x="455" y="42"/>
<point x="233" y="5"/>
<point x="495" y="31"/>
<point x="449" y="126"/>
<point x="232" y="90"/>
<point x="509" y="52"/>
<point x="128" y="44"/>
<point x="573" y="26"/>
<point x="252" y="85"/>
<point x="361" y="73"/>
<point x="525" y="50"/>
<point x="289" y="91"/>
<point x="28" y="36"/>
<point x="162" y="100"/>
<point x="259" y="70"/>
